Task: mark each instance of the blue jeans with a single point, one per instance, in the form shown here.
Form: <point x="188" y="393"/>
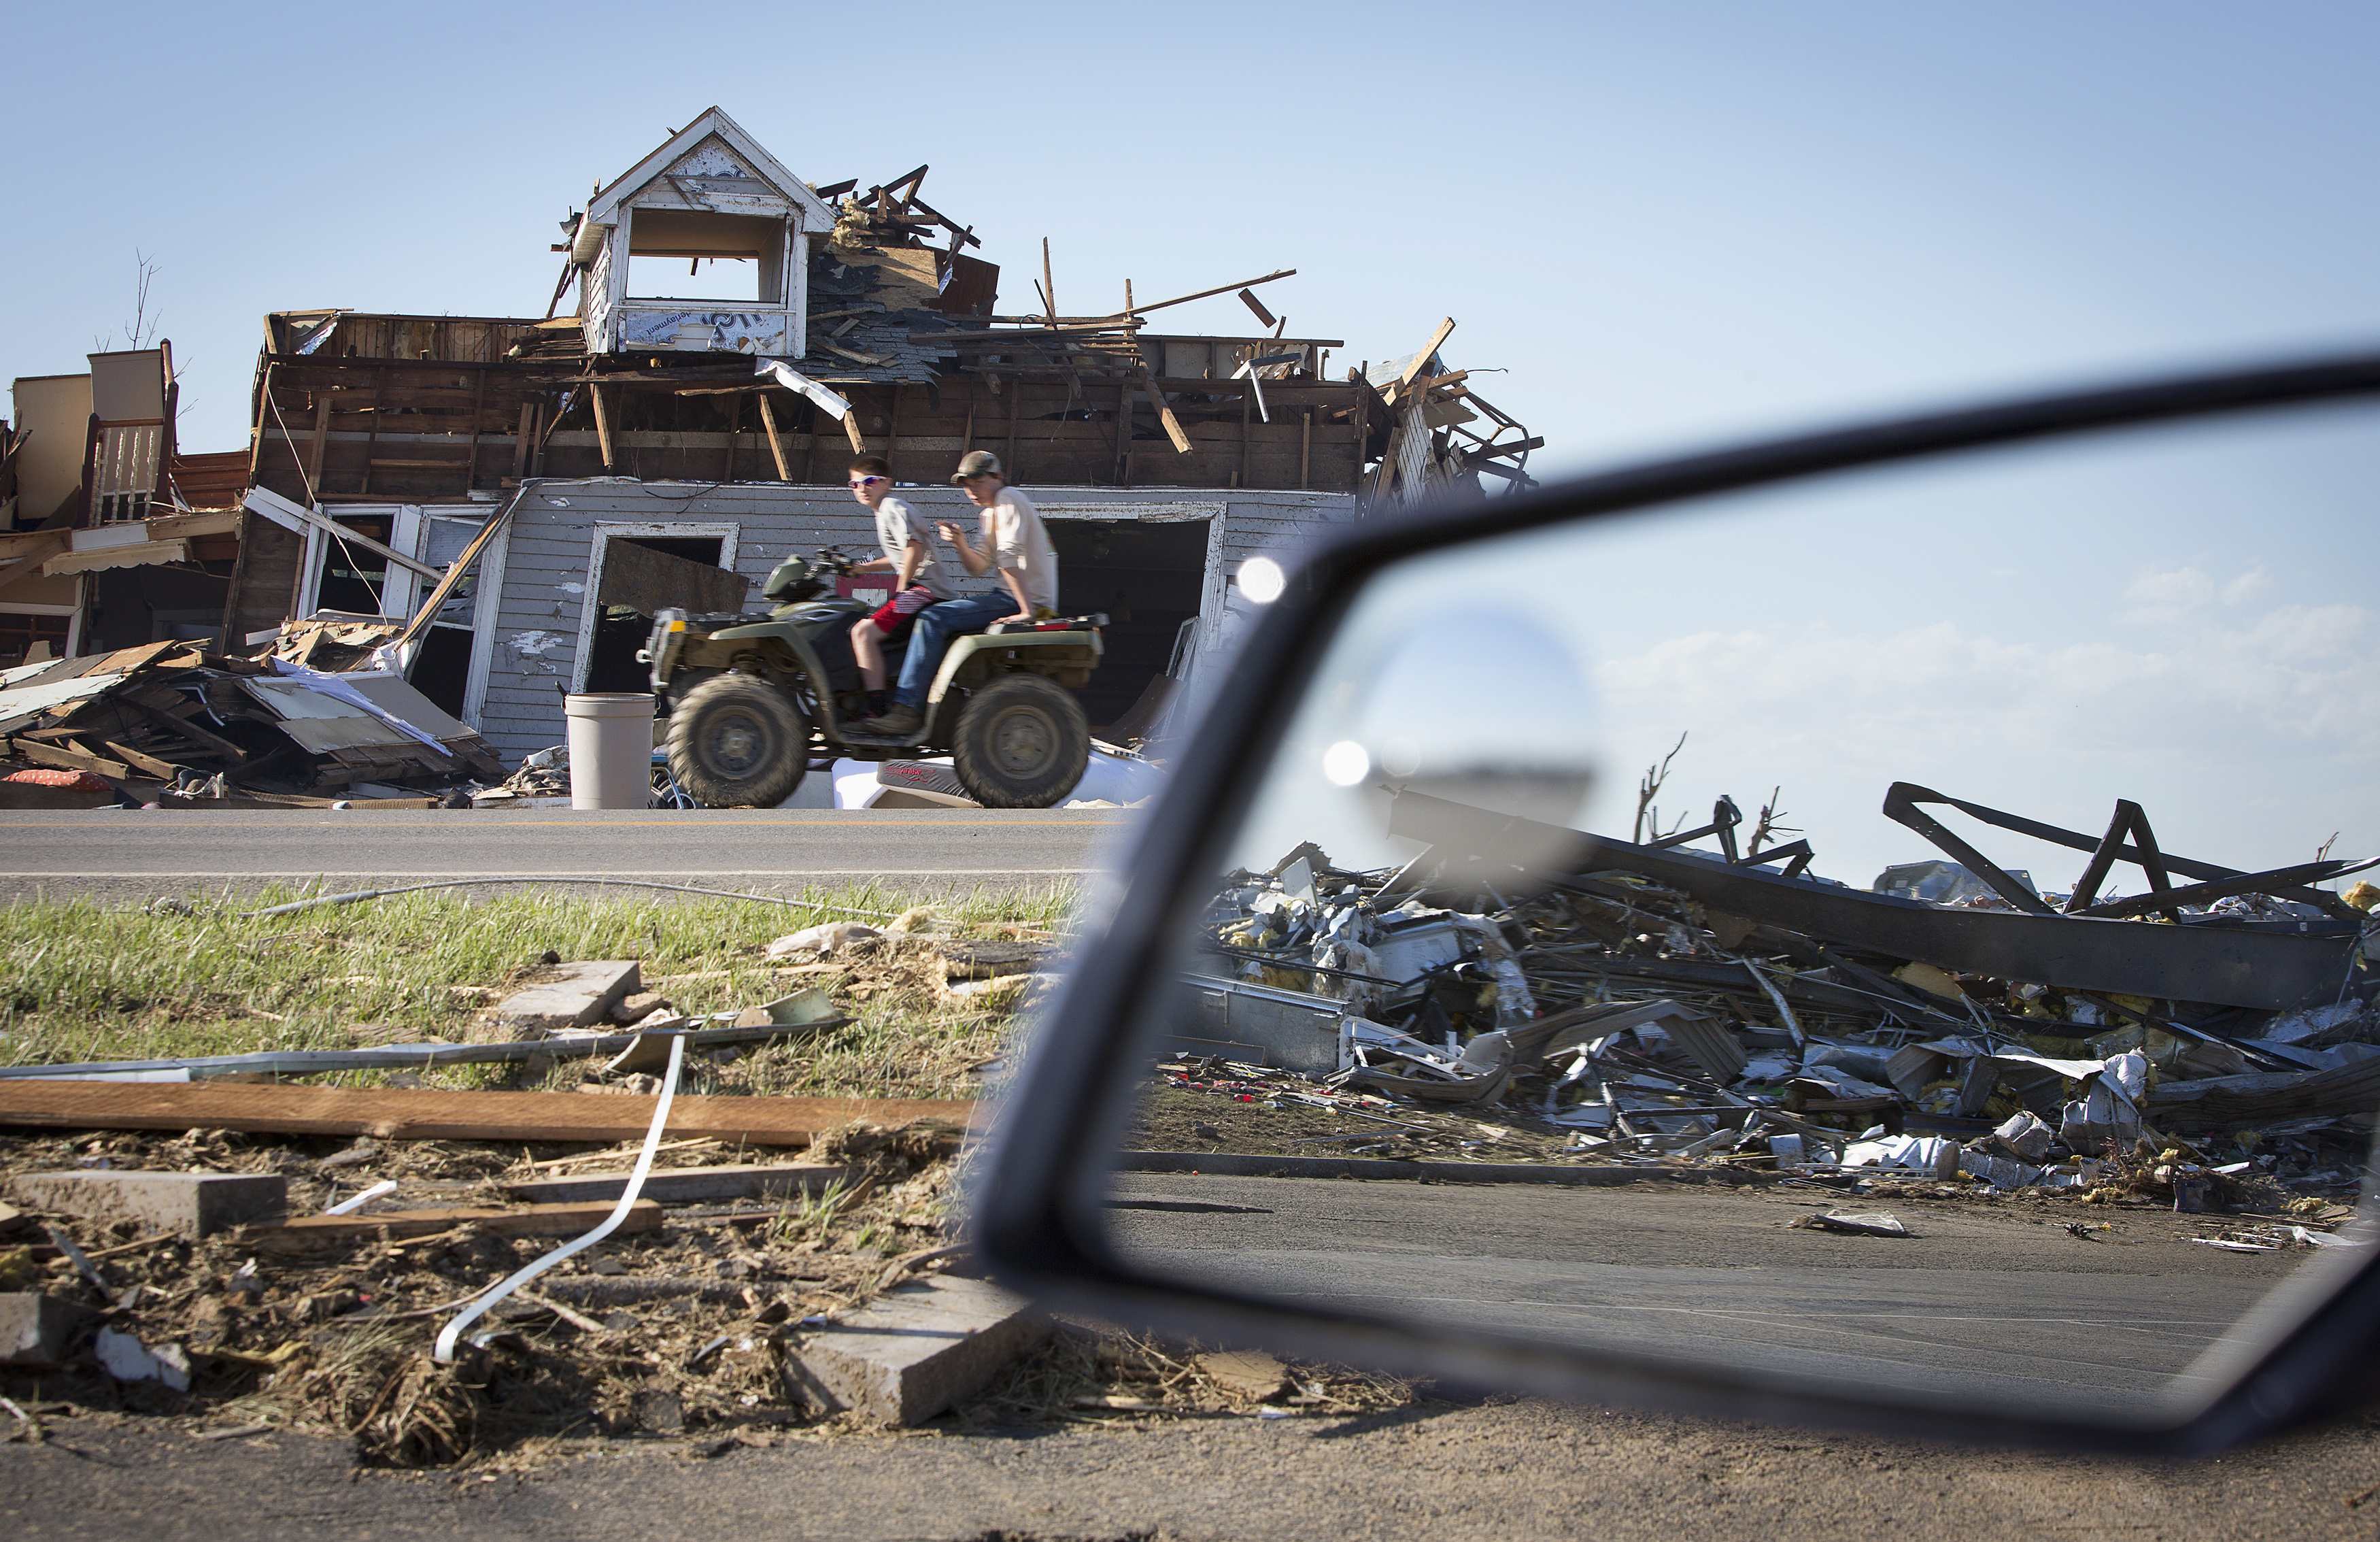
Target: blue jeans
<point x="930" y="638"/>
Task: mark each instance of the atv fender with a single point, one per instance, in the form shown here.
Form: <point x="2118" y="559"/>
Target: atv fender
<point x="1054" y="653"/>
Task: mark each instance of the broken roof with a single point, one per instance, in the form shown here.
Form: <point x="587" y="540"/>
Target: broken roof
<point x="709" y="182"/>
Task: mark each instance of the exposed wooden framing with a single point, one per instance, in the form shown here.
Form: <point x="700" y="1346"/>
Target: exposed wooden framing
<point x="471" y="455"/>
<point x="1008" y="455"/>
<point x="321" y="441"/>
<point x="1165" y="416"/>
<point x="602" y="422"/>
<point x="735" y="433"/>
<point x="1248" y="393"/>
<point x="1248" y="299"/>
<point x="893" y="425"/>
<point x="1364" y="394"/>
<point x="851" y="431"/>
<point x="1123" y="472"/>
<point x="776" y="440"/>
<point x="1306" y="450"/>
<point x="1049" y="284"/>
<point x="524" y="437"/>
<point x="1387" y="474"/>
<point x="264" y="413"/>
<point x="197" y="733"/>
<point x="810" y="445"/>
<point x="371" y="441"/>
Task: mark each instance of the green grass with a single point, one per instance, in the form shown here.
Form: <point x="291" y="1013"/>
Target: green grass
<point x="80" y="982"/>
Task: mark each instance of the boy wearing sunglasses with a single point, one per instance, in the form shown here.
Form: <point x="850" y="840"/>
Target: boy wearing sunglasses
<point x="918" y="580"/>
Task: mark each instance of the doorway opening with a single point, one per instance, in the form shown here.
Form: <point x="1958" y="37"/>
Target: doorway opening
<point x="624" y="610"/>
<point x="1149" y="576"/>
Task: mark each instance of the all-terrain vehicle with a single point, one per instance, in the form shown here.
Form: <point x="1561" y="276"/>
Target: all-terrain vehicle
<point x="752" y="698"/>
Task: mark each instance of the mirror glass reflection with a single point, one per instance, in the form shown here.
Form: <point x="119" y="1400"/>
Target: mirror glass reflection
<point x="1905" y="928"/>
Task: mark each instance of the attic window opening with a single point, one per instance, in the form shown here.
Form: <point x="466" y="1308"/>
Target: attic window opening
<point x="678" y="255"/>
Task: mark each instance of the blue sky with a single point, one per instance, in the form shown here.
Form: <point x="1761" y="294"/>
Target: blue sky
<point x="1669" y="222"/>
<point x="2184" y="618"/>
<point x="1670" y="225"/>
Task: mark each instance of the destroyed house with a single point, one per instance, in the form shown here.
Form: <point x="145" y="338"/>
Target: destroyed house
<point x="808" y="322"/>
<point x="110" y="536"/>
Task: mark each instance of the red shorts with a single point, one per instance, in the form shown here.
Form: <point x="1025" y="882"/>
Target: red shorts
<point x="896" y="613"/>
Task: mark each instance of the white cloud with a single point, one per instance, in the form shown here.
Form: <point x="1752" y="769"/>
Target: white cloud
<point x="2247" y="586"/>
<point x="2172" y="590"/>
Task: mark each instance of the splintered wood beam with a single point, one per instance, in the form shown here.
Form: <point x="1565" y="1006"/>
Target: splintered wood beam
<point x="1219" y="289"/>
<point x="1049" y="284"/>
<point x="873" y="360"/>
<point x="70" y="759"/>
<point x="851" y="432"/>
<point x="140" y="761"/>
<point x="602" y="422"/>
<point x="204" y="738"/>
<point x="776" y="440"/>
<point x="1248" y="299"/>
<point x="1165" y="416"/>
<point x="1420" y="361"/>
<point x="1499" y="452"/>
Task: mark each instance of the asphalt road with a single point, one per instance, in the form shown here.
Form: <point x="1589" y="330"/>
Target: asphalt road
<point x="131" y="854"/>
<point x="1987" y="1303"/>
<point x="1648" y="1256"/>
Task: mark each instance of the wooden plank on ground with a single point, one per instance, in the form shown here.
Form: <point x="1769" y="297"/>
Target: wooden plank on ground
<point x="527" y="1221"/>
<point x="688" y="1186"/>
<point x="421" y="1113"/>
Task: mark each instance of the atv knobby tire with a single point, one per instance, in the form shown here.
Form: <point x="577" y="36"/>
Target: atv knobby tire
<point x="738" y="742"/>
<point x="1022" y="742"/>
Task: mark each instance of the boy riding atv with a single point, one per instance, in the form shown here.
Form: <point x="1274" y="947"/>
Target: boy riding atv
<point x="753" y="698"/>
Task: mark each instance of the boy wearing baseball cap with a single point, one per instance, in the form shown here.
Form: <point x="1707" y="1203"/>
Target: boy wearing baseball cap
<point x="1015" y="552"/>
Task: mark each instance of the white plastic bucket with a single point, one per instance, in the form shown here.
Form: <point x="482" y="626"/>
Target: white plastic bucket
<point x="610" y="749"/>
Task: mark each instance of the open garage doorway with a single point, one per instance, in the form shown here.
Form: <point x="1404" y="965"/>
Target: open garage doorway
<point x="1149" y="576"/>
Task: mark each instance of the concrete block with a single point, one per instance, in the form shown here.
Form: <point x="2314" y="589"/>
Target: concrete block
<point x="913" y="1352"/>
<point x="194" y="1204"/>
<point x="574" y="996"/>
<point x="37" y="1329"/>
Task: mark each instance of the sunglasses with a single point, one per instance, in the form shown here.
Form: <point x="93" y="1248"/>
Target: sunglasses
<point x="863" y="481"/>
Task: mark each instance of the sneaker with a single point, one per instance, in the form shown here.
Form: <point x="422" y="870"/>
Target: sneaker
<point x="896" y="722"/>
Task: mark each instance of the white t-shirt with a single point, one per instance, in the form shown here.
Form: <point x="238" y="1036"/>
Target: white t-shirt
<point x="895" y="527"/>
<point x="1017" y="543"/>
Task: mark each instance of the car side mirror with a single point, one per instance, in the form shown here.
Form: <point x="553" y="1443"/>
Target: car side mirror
<point x="1467" y="1005"/>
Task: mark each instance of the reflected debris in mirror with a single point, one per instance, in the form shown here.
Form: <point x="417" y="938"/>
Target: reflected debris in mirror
<point x="2038" y="1114"/>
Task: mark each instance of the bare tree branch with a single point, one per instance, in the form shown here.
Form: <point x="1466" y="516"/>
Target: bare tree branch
<point x="1650" y="788"/>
